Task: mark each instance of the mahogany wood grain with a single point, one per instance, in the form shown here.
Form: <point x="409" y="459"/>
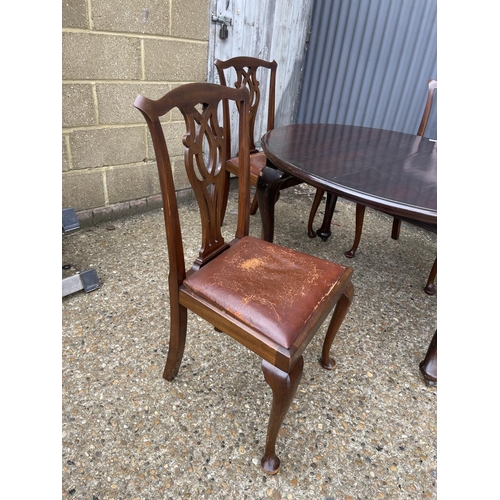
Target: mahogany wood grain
<point x="385" y="170"/>
<point x="284" y="386"/>
<point x="324" y="231"/>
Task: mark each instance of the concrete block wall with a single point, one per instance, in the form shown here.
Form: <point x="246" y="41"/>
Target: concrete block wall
<point x="113" y="50"/>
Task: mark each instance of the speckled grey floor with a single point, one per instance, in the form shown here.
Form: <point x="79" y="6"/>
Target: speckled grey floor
<point x="366" y="430"/>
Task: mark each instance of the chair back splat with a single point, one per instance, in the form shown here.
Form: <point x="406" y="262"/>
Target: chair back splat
<point x="205" y="166"/>
<point x="270" y="299"/>
<point x="251" y="73"/>
<point x="246" y="71"/>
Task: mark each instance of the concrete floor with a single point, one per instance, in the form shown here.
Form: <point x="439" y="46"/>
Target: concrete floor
<point x="367" y="430"/>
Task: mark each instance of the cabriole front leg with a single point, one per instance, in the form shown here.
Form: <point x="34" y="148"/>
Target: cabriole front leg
<point x="284" y="386"/>
<point x="324" y="232"/>
<point x="314" y="208"/>
<point x="360" y="217"/>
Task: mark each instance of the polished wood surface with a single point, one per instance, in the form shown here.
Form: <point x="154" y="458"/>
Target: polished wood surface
<point x="324" y="231"/>
<point x="396" y="224"/>
<point x="271" y="299"/>
<point x="382" y="169"/>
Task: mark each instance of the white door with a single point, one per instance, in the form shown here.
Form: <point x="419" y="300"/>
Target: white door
<point x="267" y="29"/>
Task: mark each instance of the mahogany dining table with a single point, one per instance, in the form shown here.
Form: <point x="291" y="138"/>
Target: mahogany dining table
<point x="393" y="172"/>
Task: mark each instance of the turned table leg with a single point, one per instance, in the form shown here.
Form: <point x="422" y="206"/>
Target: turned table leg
<point x="324" y="231"/>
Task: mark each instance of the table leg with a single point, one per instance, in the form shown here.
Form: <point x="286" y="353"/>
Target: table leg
<point x="324" y="231"/>
<point x="318" y="197"/>
<point x="360" y="216"/>
<point x="428" y="366"/>
<point x="268" y="185"/>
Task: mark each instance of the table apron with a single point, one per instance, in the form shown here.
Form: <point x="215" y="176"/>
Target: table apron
<point x="382" y="205"/>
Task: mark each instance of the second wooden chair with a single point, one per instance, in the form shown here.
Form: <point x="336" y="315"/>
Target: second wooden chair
<point x="251" y="72"/>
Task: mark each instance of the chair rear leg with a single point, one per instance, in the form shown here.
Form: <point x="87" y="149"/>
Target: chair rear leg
<point x="338" y="316"/>
<point x="284" y="386"/>
<point x="178" y="328"/>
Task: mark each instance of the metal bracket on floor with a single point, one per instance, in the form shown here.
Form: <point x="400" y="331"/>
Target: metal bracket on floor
<point x="85" y="280"/>
<point x="70" y="220"/>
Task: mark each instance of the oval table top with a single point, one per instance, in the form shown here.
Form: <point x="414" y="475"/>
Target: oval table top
<point x="386" y="170"/>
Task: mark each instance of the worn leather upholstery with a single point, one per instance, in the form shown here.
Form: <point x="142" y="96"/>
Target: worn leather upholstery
<point x="303" y="281"/>
<point x="257" y="163"/>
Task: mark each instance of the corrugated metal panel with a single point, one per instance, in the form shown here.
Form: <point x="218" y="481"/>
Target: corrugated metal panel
<point x="368" y="64"/>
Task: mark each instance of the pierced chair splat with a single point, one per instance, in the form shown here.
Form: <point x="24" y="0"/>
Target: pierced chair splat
<point x="251" y="72"/>
<point x="270" y="299"/>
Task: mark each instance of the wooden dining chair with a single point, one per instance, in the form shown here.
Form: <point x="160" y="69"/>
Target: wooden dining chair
<point x="249" y="72"/>
<point x="269" y="298"/>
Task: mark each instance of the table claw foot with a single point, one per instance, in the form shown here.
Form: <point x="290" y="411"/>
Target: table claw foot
<point x="270" y="465"/>
<point x="324" y="235"/>
<point x="328" y="364"/>
<point x="350" y="253"/>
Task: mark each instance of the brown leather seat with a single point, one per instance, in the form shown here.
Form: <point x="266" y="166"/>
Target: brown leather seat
<point x="271" y="289"/>
<point x="257" y="163"/>
<point x="270" y="299"/>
